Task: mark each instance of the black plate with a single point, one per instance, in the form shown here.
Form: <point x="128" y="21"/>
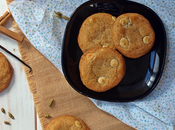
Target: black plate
<point x="142" y="74"/>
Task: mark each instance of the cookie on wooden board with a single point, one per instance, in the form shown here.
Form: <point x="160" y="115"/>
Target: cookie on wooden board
<point x="133" y="35"/>
<point x="96" y="31"/>
<point x="101" y="68"/>
<point x="6" y="72"/>
<point x="67" y="122"/>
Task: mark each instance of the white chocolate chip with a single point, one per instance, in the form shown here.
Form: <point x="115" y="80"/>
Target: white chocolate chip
<point x="113" y="18"/>
<point x="147" y="39"/>
<point x="78" y="124"/>
<point x="114" y="63"/>
<point x="125" y="22"/>
<point x="101" y="80"/>
<point x="91" y="56"/>
<point x="124" y="42"/>
<point x="105" y="45"/>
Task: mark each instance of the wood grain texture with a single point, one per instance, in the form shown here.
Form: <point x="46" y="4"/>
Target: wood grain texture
<point x="17" y="98"/>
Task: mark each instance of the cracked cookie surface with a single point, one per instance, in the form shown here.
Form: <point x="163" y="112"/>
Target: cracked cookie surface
<point x="96" y="31"/>
<point x="67" y="122"/>
<point x="6" y="72"/>
<point x="133" y="35"/>
<point x="101" y="68"/>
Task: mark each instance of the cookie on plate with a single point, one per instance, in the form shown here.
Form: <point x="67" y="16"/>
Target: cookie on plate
<point x="6" y="72"/>
<point x="101" y="68"/>
<point x="133" y="35"/>
<point x="96" y="31"/>
<point x="67" y="122"/>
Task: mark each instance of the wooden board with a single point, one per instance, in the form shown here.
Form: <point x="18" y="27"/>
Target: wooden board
<point x="17" y="98"/>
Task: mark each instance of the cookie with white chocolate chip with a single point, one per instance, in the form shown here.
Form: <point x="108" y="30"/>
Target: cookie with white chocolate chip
<point x="6" y="72"/>
<point x="67" y="122"/>
<point x="133" y="35"/>
<point x="96" y="31"/>
<point x="101" y="68"/>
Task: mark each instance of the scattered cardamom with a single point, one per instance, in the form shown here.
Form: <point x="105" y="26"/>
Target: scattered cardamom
<point x="7" y="123"/>
<point x="3" y="110"/>
<point x="59" y="15"/>
<point x="47" y="115"/>
<point x="50" y="102"/>
<point x="10" y="115"/>
<point x="65" y="17"/>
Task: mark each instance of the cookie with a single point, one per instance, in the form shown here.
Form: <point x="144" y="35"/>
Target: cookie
<point x="6" y="72"/>
<point x="67" y="122"/>
<point x="96" y="31"/>
<point x="133" y="35"/>
<point x="101" y="68"/>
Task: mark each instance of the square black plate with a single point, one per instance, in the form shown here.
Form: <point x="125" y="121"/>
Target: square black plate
<point x="142" y="74"/>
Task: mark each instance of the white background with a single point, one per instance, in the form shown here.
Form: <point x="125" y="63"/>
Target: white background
<point x="17" y="98"/>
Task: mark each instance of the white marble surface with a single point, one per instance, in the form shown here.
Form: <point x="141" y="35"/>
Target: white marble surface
<point x="17" y="98"/>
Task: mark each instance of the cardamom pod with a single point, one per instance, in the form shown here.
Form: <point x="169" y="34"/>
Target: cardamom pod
<point x="3" y="110"/>
<point x="50" y="102"/>
<point x="58" y="14"/>
<point x="10" y="115"/>
<point x="7" y="123"/>
<point x="65" y="17"/>
<point x="47" y="115"/>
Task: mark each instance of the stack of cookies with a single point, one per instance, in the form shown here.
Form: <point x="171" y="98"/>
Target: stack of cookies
<point x="105" y="40"/>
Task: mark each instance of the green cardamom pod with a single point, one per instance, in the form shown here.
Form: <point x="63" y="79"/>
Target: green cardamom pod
<point x="47" y="115"/>
<point x="58" y="14"/>
<point x="3" y="110"/>
<point x="10" y="115"/>
<point x="7" y="123"/>
<point x="65" y="17"/>
<point x="50" y="102"/>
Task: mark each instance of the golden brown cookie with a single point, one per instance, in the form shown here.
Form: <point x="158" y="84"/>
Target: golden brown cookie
<point x="67" y="122"/>
<point x="6" y="72"/>
<point x="133" y="35"/>
<point x="101" y="68"/>
<point x="96" y="31"/>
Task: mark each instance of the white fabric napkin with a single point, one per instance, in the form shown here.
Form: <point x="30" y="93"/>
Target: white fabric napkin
<point x="45" y="31"/>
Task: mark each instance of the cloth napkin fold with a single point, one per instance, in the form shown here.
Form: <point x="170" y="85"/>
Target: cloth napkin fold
<point x="44" y="30"/>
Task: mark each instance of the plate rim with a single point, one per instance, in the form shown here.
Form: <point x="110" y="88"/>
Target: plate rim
<point x="115" y="100"/>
